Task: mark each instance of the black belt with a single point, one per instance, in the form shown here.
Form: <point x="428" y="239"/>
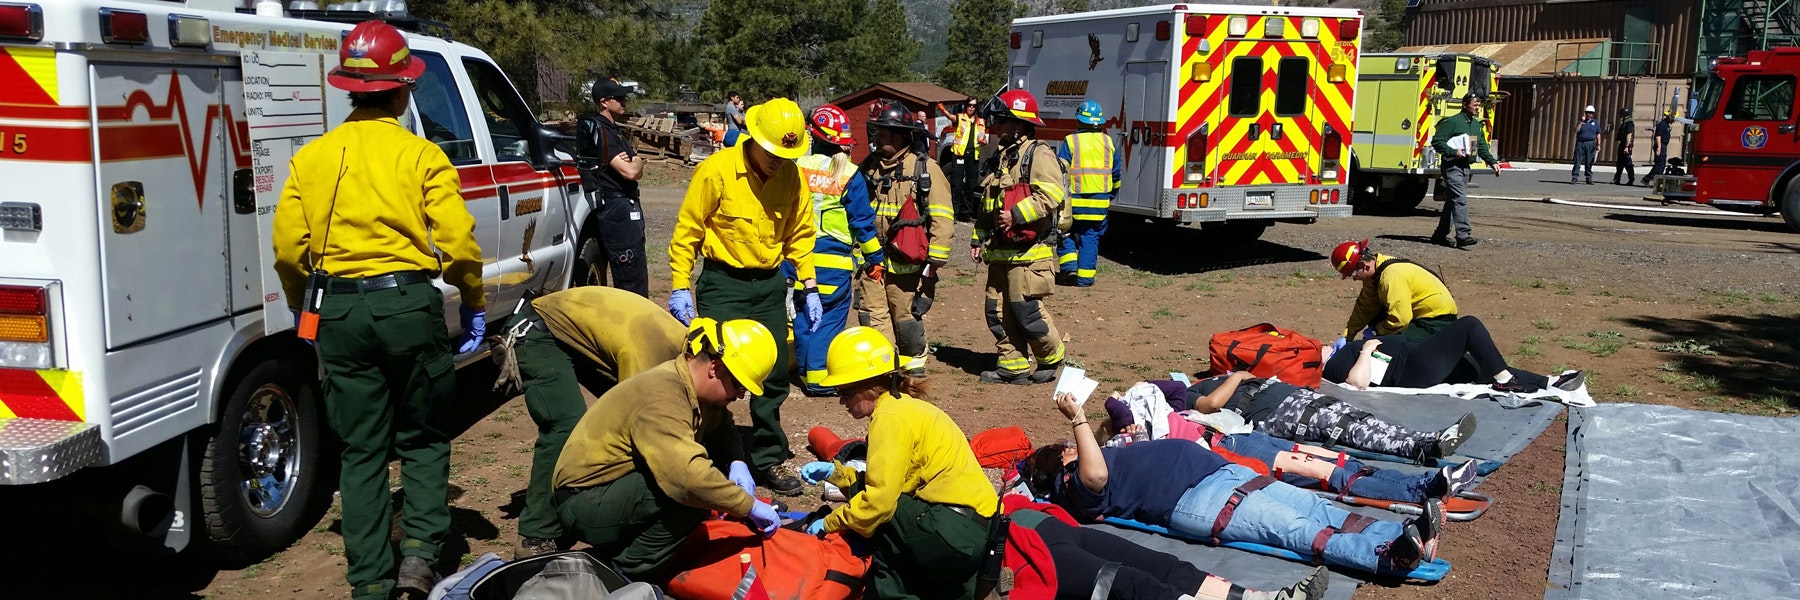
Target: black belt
<point x="968" y="512"/>
<point x="740" y="272"/>
<point x="346" y="285"/>
<point x="563" y="494"/>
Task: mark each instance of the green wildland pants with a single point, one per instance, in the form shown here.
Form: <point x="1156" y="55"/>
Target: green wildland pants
<point x="725" y="293"/>
<point x="553" y="397"/>
<point x="926" y="550"/>
<point x="387" y="363"/>
<point x="630" y="523"/>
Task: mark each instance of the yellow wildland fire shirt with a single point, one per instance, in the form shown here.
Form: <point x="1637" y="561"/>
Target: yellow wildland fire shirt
<point x="397" y="198"/>
<point x="655" y="418"/>
<point x="621" y="332"/>
<point x="1405" y="292"/>
<point x="914" y="448"/>
<point x="732" y="217"/>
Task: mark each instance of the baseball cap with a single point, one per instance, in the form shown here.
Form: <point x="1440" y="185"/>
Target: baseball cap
<point x="609" y="88"/>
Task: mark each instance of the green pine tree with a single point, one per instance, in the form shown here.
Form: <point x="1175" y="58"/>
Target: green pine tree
<point x="1063" y="7"/>
<point x="978" y="47"/>
<point x="1385" y="27"/>
<point x="768" y="48"/>
<point x="881" y="50"/>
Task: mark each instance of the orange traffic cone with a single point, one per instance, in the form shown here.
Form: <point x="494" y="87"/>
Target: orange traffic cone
<point x="749" y="587"/>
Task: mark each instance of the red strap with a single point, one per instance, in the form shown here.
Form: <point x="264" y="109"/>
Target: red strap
<point x="1352" y="481"/>
<point x="1342" y="459"/>
<point x="1237" y="497"/>
<point x="1318" y="544"/>
<point x="1356" y="523"/>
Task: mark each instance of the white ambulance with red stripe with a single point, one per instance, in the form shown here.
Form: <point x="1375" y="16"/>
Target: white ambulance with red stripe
<point x="1231" y="117"/>
<point x="141" y="149"/>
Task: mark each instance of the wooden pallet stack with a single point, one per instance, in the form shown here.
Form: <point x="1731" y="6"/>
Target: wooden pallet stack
<point x="664" y="138"/>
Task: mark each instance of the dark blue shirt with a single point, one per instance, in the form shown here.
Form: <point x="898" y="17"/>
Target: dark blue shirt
<point x="1588" y="131"/>
<point x="1254" y="398"/>
<point x="1143" y="483"/>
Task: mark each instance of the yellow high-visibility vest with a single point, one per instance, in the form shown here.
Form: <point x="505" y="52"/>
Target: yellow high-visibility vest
<point x="969" y="131"/>
<point x="1091" y="162"/>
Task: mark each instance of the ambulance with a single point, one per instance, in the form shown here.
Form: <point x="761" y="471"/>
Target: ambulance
<point x="1230" y="117"/>
<point x="149" y="374"/>
<point x="1399" y="99"/>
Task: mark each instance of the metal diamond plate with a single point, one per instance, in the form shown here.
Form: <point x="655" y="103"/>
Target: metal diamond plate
<point x="40" y="450"/>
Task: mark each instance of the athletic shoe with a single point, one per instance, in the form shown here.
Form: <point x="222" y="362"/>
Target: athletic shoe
<point x="528" y="547"/>
<point x="1514" y="386"/>
<point x="1405" y="551"/>
<point x="1429" y="527"/>
<point x="1459" y="478"/>
<point x="779" y="479"/>
<point x="999" y="377"/>
<point x="1570" y="381"/>
<point x="415" y="576"/>
<point x="1308" y="588"/>
<point x="1452" y="437"/>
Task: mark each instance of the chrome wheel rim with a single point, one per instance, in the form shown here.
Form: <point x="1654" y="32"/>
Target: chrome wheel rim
<point x="268" y="450"/>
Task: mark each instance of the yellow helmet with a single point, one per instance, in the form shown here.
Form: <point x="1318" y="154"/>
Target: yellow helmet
<point x="779" y="126"/>
<point x="857" y="354"/>
<point x="747" y="348"/>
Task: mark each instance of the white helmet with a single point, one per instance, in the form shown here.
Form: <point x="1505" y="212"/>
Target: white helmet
<point x="1590" y="108"/>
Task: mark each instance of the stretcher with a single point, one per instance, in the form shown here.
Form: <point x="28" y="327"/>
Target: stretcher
<point x="1463" y="507"/>
<point x="1434" y="570"/>
<point x="1483" y="468"/>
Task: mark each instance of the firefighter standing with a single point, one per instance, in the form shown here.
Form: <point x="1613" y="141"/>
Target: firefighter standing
<point x="746" y="210"/>
<point x="964" y="169"/>
<point x="611" y="334"/>
<point x="1024" y="203"/>
<point x="609" y="174"/>
<point x="369" y="215"/>
<point x="906" y="197"/>
<point x="846" y="241"/>
<point x="1624" y="134"/>
<point x="1094" y="177"/>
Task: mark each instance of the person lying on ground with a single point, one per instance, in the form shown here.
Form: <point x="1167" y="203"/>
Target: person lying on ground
<point x="1412" y="363"/>
<point x="1194" y="492"/>
<point x="1304" y="415"/>
<point x="1307" y="466"/>
<point x="1079" y="555"/>
<point x="1398" y="296"/>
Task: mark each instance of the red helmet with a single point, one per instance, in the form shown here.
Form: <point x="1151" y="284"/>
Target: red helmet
<point x="830" y="124"/>
<point x="1348" y="256"/>
<point x="374" y="58"/>
<point x="1021" y="105"/>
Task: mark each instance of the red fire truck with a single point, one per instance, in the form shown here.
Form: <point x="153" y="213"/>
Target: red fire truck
<point x="1745" y="152"/>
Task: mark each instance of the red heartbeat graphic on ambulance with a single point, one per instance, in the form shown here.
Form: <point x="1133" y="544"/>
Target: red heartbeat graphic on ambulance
<point x="169" y="134"/>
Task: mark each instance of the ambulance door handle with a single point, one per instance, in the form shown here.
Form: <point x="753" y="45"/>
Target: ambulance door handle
<point x="1256" y="131"/>
<point x="243" y="192"/>
<point x="1788" y="128"/>
<point x="505" y="203"/>
<point x="1275" y="131"/>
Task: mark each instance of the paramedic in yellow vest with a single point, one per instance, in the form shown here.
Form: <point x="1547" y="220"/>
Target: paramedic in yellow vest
<point x="746" y="211"/>
<point x="846" y="242"/>
<point x="369" y="216"/>
<point x="964" y="167"/>
<point x="1023" y="201"/>
<point x="1398" y="295"/>
<point x="1094" y="160"/>
<point x="594" y="336"/>
<point x="893" y="173"/>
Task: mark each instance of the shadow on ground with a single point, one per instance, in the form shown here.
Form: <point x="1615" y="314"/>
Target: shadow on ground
<point x="966" y="360"/>
<point x="1727" y="223"/>
<point x="1753" y="357"/>
<point x="1167" y="250"/>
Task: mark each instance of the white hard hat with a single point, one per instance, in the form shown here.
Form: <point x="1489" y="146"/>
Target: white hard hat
<point x="1590" y="108"/>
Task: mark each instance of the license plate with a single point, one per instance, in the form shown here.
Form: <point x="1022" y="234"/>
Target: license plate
<point x="1259" y="201"/>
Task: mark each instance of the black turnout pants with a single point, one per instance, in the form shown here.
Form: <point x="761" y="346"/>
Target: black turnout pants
<point x="1143" y="574"/>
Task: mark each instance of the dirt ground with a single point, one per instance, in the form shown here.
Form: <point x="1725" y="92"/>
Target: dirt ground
<point x="1698" y="312"/>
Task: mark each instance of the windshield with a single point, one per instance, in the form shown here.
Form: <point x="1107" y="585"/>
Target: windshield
<point x="1709" y="98"/>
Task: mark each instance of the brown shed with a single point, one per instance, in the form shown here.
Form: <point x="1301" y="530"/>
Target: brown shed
<point x="1671" y="25"/>
<point x="916" y="96"/>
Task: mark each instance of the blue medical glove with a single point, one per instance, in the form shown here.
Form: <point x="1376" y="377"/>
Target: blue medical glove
<point x="817" y="471"/>
<point x="681" y="304"/>
<point x="814" y="311"/>
<point x="474" y="324"/>
<point x="764" y="518"/>
<point x="1368" y="332"/>
<point x="816" y="528"/>
<point x="1339" y="344"/>
<point x="739" y="473"/>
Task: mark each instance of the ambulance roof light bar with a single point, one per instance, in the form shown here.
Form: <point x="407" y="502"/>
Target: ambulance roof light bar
<point x="392" y="12"/>
<point x="21" y="22"/>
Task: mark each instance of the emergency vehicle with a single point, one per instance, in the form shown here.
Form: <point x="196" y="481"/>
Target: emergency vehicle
<point x="1745" y="148"/>
<point x="1399" y="99"/>
<point x="136" y="371"/>
<point x="1232" y="117"/>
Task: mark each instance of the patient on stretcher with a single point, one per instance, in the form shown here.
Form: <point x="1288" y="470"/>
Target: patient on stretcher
<point x="1462" y="352"/>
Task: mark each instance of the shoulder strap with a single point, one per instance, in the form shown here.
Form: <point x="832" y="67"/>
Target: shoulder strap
<point x="1103" y="581"/>
<point x="1394" y="261"/>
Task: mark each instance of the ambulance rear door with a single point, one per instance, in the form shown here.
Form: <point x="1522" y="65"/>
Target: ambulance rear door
<point x="1147" y="108"/>
<point x="444" y="115"/>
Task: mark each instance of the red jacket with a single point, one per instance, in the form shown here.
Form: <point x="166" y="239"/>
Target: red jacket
<point x="1034" y="570"/>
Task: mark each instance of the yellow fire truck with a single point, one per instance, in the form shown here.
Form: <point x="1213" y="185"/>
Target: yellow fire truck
<point x="1399" y="99"/>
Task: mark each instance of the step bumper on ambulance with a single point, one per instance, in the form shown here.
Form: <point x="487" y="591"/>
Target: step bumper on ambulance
<point x="43" y="436"/>
<point x="1275" y="203"/>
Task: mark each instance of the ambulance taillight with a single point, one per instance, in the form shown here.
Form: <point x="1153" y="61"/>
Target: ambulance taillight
<point x="21" y="22"/>
<point x="1195" y="171"/>
<point x="1162" y="31"/>
<point x="124" y="26"/>
<point x="1348" y="28"/>
<point x="24" y="327"/>
<point x="1015" y="40"/>
<point x="1330" y="150"/>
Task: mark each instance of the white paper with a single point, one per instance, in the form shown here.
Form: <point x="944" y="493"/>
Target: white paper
<point x="1181" y="377"/>
<point x="1074" y="381"/>
<point x="1460" y="142"/>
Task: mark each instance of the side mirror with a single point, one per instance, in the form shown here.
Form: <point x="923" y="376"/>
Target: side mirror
<point x="553" y="141"/>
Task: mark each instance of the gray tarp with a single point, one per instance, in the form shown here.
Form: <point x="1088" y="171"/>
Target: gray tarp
<point x="1662" y="502"/>
<point x="1500" y="434"/>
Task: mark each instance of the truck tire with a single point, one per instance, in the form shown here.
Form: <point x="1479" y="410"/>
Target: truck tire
<point x="1235" y="232"/>
<point x="590" y="263"/>
<point x="261" y="484"/>
<point x="1408" y="194"/>
<point x="1790" y="203"/>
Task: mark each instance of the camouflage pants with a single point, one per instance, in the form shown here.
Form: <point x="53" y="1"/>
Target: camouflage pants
<point x="1308" y="416"/>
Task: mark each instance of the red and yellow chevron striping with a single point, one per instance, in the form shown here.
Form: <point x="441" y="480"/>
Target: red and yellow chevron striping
<point x="53" y="394"/>
<point x="28" y="76"/>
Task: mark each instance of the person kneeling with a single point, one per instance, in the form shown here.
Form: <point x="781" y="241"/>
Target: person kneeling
<point x="1195" y="492"/>
<point x="646" y="463"/>
<point x="924" y="503"/>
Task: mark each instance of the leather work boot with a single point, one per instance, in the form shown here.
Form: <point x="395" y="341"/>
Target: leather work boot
<point x="415" y="576"/>
<point x="779" y="479"/>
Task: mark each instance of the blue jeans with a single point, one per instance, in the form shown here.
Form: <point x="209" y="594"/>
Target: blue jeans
<point x="1282" y="516"/>
<point x="1585" y="152"/>
<point x="1079" y="251"/>
<point x="1381" y="484"/>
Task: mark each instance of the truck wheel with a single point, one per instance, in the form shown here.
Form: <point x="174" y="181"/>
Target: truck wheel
<point x="1790" y="204"/>
<point x="590" y="263"/>
<point x="1408" y="194"/>
<point x="1235" y="232"/>
<point x="260" y="481"/>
